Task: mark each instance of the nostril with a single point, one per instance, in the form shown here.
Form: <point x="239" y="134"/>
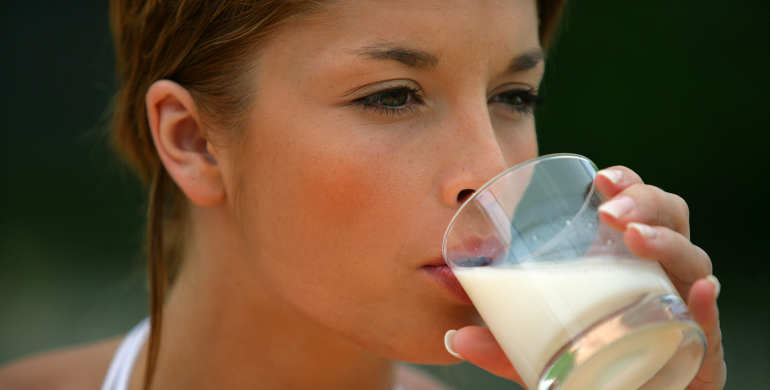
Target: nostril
<point x="464" y="195"/>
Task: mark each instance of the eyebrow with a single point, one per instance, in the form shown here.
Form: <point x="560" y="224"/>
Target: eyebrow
<point x="423" y="60"/>
<point x="527" y="60"/>
<point x="412" y="58"/>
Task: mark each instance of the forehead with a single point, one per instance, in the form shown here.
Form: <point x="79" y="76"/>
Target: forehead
<point x="473" y="32"/>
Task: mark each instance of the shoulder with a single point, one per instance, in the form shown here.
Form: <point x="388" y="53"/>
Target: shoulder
<point x="81" y="367"/>
<point x="415" y="379"/>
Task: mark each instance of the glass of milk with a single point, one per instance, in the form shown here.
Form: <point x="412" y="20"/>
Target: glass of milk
<point x="570" y="305"/>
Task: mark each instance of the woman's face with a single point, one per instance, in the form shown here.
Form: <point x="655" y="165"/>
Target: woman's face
<point x="372" y="121"/>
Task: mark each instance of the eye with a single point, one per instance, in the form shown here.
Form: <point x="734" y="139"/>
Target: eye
<point x="522" y="101"/>
<point x="396" y="101"/>
<point x="391" y="97"/>
<point x="511" y="98"/>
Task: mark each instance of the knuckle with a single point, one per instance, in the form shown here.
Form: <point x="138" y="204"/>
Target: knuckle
<point x="682" y="221"/>
<point x="639" y="191"/>
<point x="650" y="194"/>
<point x="683" y="206"/>
<point x="657" y="194"/>
<point x="655" y="199"/>
<point x="705" y="261"/>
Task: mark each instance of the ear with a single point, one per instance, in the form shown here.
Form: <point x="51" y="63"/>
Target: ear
<point x="182" y="144"/>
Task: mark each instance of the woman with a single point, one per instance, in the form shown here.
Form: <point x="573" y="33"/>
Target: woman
<point x="305" y="159"/>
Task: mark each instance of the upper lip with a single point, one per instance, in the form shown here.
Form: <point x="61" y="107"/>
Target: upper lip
<point x="469" y="248"/>
<point x="436" y="262"/>
<point x="489" y="247"/>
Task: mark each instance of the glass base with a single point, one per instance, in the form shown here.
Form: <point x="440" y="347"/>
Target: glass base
<point x="651" y="344"/>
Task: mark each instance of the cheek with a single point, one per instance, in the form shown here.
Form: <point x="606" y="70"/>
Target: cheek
<point x="349" y="198"/>
<point x="518" y="144"/>
<point x="322" y="213"/>
<point x="344" y="192"/>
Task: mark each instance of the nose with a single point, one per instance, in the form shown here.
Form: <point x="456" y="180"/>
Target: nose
<point x="473" y="155"/>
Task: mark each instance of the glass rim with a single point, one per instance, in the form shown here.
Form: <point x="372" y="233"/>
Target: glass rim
<point x="536" y="160"/>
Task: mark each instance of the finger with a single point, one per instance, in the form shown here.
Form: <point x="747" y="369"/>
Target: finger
<point x="610" y="181"/>
<point x="649" y="205"/>
<point x="479" y="347"/>
<point x="702" y="303"/>
<point x="684" y="262"/>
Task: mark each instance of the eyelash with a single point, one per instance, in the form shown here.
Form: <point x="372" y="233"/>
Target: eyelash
<point x="371" y="102"/>
<point x="528" y="97"/>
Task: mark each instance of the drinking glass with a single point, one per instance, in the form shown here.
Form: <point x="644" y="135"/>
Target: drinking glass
<point x="570" y="305"/>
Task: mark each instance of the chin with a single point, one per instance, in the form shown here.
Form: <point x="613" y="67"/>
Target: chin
<point x="427" y="348"/>
<point x="433" y="356"/>
<point x="419" y="339"/>
<point x="441" y="359"/>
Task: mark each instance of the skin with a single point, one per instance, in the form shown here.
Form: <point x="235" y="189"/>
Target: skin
<point x="308" y="236"/>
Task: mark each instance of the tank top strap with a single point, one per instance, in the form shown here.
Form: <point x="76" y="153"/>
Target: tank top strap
<point x="119" y="373"/>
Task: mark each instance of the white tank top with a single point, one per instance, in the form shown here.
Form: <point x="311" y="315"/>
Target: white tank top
<point x="119" y="373"/>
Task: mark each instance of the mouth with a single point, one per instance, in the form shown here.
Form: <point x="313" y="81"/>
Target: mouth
<point x="439" y="272"/>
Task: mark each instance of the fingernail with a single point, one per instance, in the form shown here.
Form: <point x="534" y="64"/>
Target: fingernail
<point x="717" y="286"/>
<point x="448" y="344"/>
<point x="643" y="230"/>
<point x="612" y="175"/>
<point x="617" y="207"/>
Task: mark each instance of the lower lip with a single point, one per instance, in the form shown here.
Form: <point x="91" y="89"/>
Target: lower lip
<point x="444" y="276"/>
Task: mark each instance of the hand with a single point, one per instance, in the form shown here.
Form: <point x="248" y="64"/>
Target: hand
<point x="657" y="227"/>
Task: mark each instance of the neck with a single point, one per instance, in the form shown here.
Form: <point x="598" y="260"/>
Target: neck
<point x="221" y="329"/>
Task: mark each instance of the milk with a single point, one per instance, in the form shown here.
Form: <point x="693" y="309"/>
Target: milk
<point x="535" y="309"/>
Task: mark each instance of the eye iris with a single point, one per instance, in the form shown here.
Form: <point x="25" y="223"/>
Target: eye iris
<point x="515" y="100"/>
<point x="394" y="98"/>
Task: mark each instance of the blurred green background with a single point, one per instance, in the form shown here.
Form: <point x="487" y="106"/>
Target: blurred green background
<point x="677" y="90"/>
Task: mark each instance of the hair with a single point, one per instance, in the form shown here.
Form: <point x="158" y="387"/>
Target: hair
<point x="208" y="48"/>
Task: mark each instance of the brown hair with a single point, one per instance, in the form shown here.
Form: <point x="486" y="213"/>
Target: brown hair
<point x="207" y="47"/>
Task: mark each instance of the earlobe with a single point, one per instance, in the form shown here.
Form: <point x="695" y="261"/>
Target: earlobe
<point x="182" y="145"/>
